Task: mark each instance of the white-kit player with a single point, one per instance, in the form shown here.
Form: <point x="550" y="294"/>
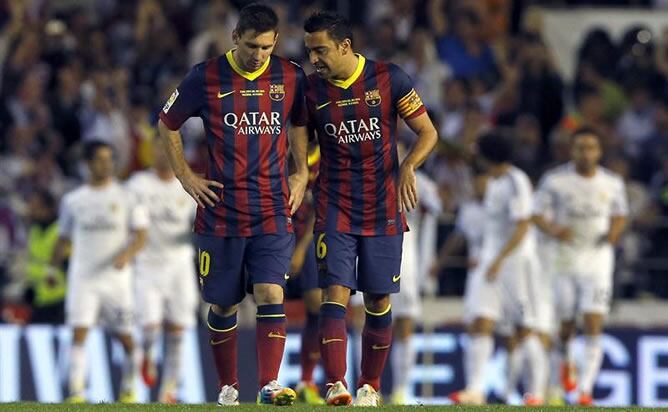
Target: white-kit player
<point x="589" y="215"/>
<point x="165" y="279"/>
<point x="406" y="305"/>
<point x="105" y="229"/>
<point x="500" y="285"/>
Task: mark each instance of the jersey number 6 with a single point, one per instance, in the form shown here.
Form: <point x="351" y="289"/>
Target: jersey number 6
<point x="321" y="247"/>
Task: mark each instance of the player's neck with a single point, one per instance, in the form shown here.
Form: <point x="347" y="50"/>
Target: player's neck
<point x="165" y="174"/>
<point x="100" y="183"/>
<point x="586" y="172"/>
<point x="500" y="169"/>
<point x="350" y="67"/>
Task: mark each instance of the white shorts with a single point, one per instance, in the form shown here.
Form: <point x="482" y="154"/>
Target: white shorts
<point x="507" y="298"/>
<point x="406" y="303"/>
<point x="166" y="293"/>
<point x="104" y="300"/>
<point x="579" y="294"/>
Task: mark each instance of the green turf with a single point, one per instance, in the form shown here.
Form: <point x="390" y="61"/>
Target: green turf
<point x="36" y="407"/>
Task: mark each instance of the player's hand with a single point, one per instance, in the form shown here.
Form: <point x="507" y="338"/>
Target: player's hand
<point x="297" y="262"/>
<point x="297" y="183"/>
<point x="121" y="260"/>
<point x="563" y="234"/>
<point x="493" y="271"/>
<point x="407" y="190"/>
<point x="198" y="188"/>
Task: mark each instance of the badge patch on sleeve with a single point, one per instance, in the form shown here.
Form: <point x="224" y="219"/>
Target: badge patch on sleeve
<point x="171" y="101"/>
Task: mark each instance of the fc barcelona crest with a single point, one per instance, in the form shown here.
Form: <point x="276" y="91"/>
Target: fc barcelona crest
<point x="372" y="97"/>
<point x="277" y="92"/>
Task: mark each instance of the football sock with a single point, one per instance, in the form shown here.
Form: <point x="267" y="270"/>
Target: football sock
<point x="513" y="371"/>
<point x="536" y="360"/>
<point x="478" y="353"/>
<point x="333" y="341"/>
<point x="151" y="336"/>
<point x="403" y="358"/>
<point x="77" y="378"/>
<point x="223" y="341"/>
<point x="376" y="342"/>
<point x="310" y="350"/>
<point x="270" y="338"/>
<point x="173" y="360"/>
<point x="130" y="367"/>
<point x="593" y="355"/>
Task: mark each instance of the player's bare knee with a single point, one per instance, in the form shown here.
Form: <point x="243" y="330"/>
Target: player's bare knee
<point x="79" y="335"/>
<point x="126" y="341"/>
<point x="174" y="329"/>
<point x="336" y="293"/>
<point x="268" y="294"/>
<point x="376" y="303"/>
<point x="567" y="330"/>
<point x="224" y="311"/>
<point x="313" y="300"/>
<point x="593" y="324"/>
<point x="482" y="326"/>
<point x="403" y="328"/>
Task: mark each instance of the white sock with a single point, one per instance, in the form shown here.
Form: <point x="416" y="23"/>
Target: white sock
<point x="536" y="358"/>
<point x="130" y="367"/>
<point x="514" y="365"/>
<point x="77" y="370"/>
<point x="593" y="353"/>
<point x="478" y="354"/>
<point x="567" y="353"/>
<point x="403" y="360"/>
<point x="555" y="367"/>
<point x="172" y="360"/>
<point x="150" y="339"/>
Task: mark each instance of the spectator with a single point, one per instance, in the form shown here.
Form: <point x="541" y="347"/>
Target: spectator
<point x="637" y="122"/>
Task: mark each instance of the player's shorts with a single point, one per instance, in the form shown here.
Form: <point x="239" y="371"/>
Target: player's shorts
<point x="103" y="300"/>
<point x="580" y="294"/>
<point x="307" y="279"/>
<point x="166" y="292"/>
<point x="378" y="260"/>
<point x="228" y="265"/>
<point x="406" y="303"/>
<point x="507" y="298"/>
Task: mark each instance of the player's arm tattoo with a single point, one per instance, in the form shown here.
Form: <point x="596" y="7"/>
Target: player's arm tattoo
<point x="171" y="142"/>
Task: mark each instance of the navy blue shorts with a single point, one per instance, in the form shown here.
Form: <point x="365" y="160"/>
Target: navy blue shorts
<point x="227" y="266"/>
<point x="307" y="278"/>
<point x="378" y="260"/>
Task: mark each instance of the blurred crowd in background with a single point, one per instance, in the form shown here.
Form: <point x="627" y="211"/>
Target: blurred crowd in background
<point x="71" y="71"/>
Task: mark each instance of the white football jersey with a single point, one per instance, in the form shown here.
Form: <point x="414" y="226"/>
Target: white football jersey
<point x="471" y="223"/>
<point x="585" y="205"/>
<point x="99" y="221"/>
<point x="508" y="199"/>
<point x="171" y="211"/>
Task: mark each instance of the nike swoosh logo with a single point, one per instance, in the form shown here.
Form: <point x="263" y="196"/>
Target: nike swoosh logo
<point x="320" y="106"/>
<point x="379" y="347"/>
<point x="395" y="278"/>
<point x="276" y="335"/>
<point x="218" y="342"/>
<point x="221" y="95"/>
<point x="326" y="341"/>
<point x="286" y="276"/>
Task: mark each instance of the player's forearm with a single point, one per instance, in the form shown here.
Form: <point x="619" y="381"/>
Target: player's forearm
<point x="138" y="242"/>
<point x="171" y="143"/>
<point x="453" y="244"/>
<point x="617" y="226"/>
<point x="426" y="141"/>
<point x="521" y="229"/>
<point x="299" y="148"/>
<point x="544" y="226"/>
<point x="60" y="251"/>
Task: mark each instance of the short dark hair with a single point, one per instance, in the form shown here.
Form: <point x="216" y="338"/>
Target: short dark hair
<point x="586" y="130"/>
<point x="47" y="199"/>
<point x="91" y="147"/>
<point x="495" y="147"/>
<point x="337" y="26"/>
<point x="258" y="17"/>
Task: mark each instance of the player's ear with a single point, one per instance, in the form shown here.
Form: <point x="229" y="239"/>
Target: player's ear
<point x="345" y="46"/>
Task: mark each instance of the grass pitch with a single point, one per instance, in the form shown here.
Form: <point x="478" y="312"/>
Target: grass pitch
<point x="37" y="407"/>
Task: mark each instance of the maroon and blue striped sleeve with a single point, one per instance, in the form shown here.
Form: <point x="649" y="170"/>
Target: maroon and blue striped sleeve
<point x="186" y="101"/>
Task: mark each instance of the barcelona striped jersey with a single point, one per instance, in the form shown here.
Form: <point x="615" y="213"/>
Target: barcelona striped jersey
<point x="245" y="117"/>
<point x="356" y="124"/>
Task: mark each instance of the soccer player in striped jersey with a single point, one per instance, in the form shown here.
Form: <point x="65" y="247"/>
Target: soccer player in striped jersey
<point x="361" y="194"/>
<point x="243" y="228"/>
